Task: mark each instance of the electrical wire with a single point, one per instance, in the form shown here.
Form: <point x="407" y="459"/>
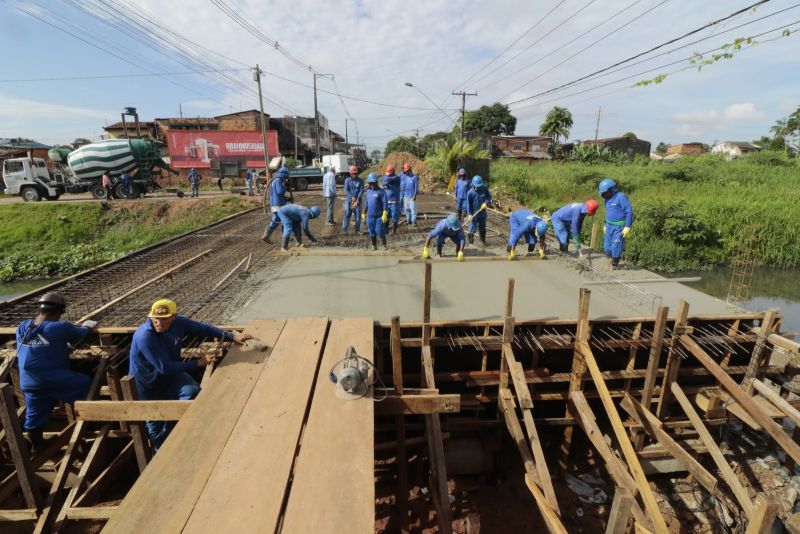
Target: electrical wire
<point x="115" y="76"/>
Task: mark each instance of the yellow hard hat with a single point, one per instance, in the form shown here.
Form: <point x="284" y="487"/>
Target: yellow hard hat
<point x="163" y="308"/>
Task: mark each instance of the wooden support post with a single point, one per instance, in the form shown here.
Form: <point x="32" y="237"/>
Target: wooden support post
<point x="426" y="306"/>
<point x="593" y="240"/>
<point x="138" y="431"/>
<point x="764" y="514"/>
<point x="115" y="390"/>
<point x="708" y="440"/>
<point x="653" y="361"/>
<point x="760" y="350"/>
<point x="744" y="400"/>
<point x="620" y="511"/>
<point x="400" y="427"/>
<point x="19" y="452"/>
<point x="637" y="333"/>
<point x="509" y="309"/>
<point x="578" y="369"/>
<point x="779" y="402"/>
<point x="622" y="437"/>
<point x="673" y="360"/>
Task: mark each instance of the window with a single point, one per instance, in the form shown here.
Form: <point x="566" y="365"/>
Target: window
<point x="41" y="164"/>
<point x="517" y="147"/>
<point x="13" y="166"/>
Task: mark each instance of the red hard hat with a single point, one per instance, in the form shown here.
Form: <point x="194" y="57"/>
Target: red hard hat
<point x="353" y="168"/>
<point x="591" y="206"/>
<point x="390" y="169"/>
<point x="406" y="166"/>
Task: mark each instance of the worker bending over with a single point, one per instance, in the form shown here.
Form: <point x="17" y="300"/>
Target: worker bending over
<point x="376" y="213"/>
<point x="294" y="219"/>
<point x="156" y="364"/>
<point x="526" y="225"/>
<point x="391" y="184"/>
<point x="619" y="220"/>
<point x="410" y="185"/>
<point x="462" y="188"/>
<point x="478" y="199"/>
<point x="45" y="375"/>
<point x="353" y="189"/>
<point x="279" y="195"/>
<point x="568" y="222"/>
<point x="447" y="227"/>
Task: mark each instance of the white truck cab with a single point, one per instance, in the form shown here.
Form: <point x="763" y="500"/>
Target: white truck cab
<point x="340" y="161"/>
<point x="31" y="179"/>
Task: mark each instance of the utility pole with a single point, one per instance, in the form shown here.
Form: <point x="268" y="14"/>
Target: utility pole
<point x="316" y="120"/>
<point x="257" y="78"/>
<point x="597" y="128"/>
<point x="295" y="138"/>
<point x="463" y="95"/>
<point x="346" y="138"/>
<point x="180" y="110"/>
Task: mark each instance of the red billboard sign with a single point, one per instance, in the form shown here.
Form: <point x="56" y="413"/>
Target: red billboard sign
<point x="197" y="148"/>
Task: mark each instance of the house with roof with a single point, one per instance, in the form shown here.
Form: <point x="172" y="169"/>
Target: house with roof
<point x="686" y="149"/>
<point x="734" y="149"/>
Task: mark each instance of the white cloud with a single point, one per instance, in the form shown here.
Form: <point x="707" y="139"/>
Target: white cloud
<point x="743" y="112"/>
<point x="15" y="108"/>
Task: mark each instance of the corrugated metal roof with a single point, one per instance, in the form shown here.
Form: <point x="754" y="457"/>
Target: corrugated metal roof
<point x="15" y="143"/>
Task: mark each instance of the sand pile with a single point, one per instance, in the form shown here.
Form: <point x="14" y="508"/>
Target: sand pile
<point x="429" y="181"/>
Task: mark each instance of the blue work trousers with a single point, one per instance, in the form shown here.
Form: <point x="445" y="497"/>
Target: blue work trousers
<point x="441" y="238"/>
<point x="250" y="191"/>
<point x="375" y="227"/>
<point x="331" y="201"/>
<point x="39" y="403"/>
<point x="461" y="204"/>
<point x="562" y="232"/>
<point x="394" y="210"/>
<point x="478" y="222"/>
<point x="274" y="221"/>
<point x="613" y="243"/>
<point x="355" y="213"/>
<point x="178" y="386"/>
<point x="195" y="190"/>
<point x="410" y="206"/>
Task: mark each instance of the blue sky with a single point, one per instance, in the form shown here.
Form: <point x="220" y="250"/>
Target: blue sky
<point x="374" y="47"/>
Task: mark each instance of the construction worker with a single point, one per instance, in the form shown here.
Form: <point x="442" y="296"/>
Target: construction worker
<point x="329" y="191"/>
<point x="279" y="195"/>
<point x="524" y="224"/>
<point x="353" y="189"/>
<point x="462" y="188"/>
<point x="478" y="200"/>
<point x="127" y="185"/>
<point x="45" y="375"/>
<point x="194" y="181"/>
<point x="376" y="211"/>
<point x="156" y="363"/>
<point x="450" y="227"/>
<point x="108" y="185"/>
<point x="568" y="222"/>
<point x="249" y="180"/>
<point x="294" y="219"/>
<point x="391" y="184"/>
<point x="619" y="220"/>
<point x="410" y="187"/>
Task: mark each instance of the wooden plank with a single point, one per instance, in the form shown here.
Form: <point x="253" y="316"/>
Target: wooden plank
<point x="673" y="361"/>
<point x="779" y="402"/>
<point x="518" y="378"/>
<point x="169" y="410"/>
<point x="774" y="430"/>
<point x="419" y="404"/>
<point x="397" y="356"/>
<point x="785" y="344"/>
<point x="653" y="361"/>
<point x="106" y="477"/>
<point x="725" y="470"/>
<point x="18" y="515"/>
<point x="551" y="519"/>
<point x="578" y="370"/>
<point x="341" y="429"/>
<point x="410" y="442"/>
<point x="622" y="438"/>
<point x="760" y="349"/>
<point x="731" y="406"/>
<point x="637" y="333"/>
<point x="16" y="445"/>
<point x="163" y="497"/>
<point x="509" y="298"/>
<point x="620" y="512"/>
<point x="400" y="426"/>
<point x="115" y="391"/>
<point x="139" y="436"/>
<point x="764" y="514"/>
<point x="95" y="512"/>
<point x="653" y="427"/>
<point x="426" y="305"/>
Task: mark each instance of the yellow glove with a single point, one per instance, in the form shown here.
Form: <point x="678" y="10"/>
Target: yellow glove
<point x="364" y="216"/>
<point x="460" y="255"/>
<point x="626" y="231"/>
<point x="512" y="254"/>
<point x="541" y="253"/>
<point x="426" y="253"/>
<point x="385" y="217"/>
<point x="483" y="206"/>
<point x="469" y="218"/>
<point x="604" y="229"/>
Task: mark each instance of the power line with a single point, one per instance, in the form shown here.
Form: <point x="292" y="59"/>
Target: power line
<point x="115" y="76"/>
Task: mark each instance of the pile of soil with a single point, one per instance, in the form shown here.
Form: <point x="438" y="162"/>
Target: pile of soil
<point x="429" y="181"/>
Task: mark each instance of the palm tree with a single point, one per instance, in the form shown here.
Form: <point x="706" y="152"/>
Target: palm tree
<point x="556" y="124"/>
<point x="452" y="153"/>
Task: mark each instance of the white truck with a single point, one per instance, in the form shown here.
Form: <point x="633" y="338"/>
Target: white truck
<point x="32" y="180"/>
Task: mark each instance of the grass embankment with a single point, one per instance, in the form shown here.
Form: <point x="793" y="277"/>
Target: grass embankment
<point x="694" y="213"/>
<point x="46" y="240"/>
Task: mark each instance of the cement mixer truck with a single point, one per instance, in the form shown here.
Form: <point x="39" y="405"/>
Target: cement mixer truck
<point x="80" y="170"/>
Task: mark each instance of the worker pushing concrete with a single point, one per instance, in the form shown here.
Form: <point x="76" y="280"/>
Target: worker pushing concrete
<point x="449" y="227"/>
<point x="279" y="195"/>
<point x="375" y="213"/>
<point x="463" y="185"/>
<point x="329" y="192"/>
<point x="353" y="190"/>
<point x="526" y="225"/>
<point x="410" y="187"/>
<point x="294" y="219"/>
<point x="478" y="200"/>
<point x="156" y="363"/>
<point x="619" y="220"/>
<point x="568" y="223"/>
<point x="45" y="375"/>
<point x="391" y="184"/>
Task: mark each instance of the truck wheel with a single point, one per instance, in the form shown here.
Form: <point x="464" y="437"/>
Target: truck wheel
<point x="300" y="183"/>
<point x="99" y="192"/>
<point x="30" y="194"/>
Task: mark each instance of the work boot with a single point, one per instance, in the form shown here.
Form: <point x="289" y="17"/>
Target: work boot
<point x="394" y="228"/>
<point x="285" y="245"/>
<point x="482" y="235"/>
<point x="439" y="253"/>
<point x="383" y="242"/>
<point x="460" y="214"/>
<point x="614" y="263"/>
<point x="36" y="437"/>
<point x="471" y="238"/>
<point x="374" y="243"/>
<point x="265" y="236"/>
<point x="563" y="248"/>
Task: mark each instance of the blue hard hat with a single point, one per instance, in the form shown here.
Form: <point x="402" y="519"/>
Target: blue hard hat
<point x="541" y="228"/>
<point x="607" y="185"/>
<point x="314" y="211"/>
<point x="477" y="181"/>
<point x="462" y="172"/>
<point x="283" y="172"/>
<point x="453" y="222"/>
<point x="372" y="178"/>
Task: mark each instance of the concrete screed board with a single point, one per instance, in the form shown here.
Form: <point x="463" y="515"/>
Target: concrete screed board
<point x="381" y="286"/>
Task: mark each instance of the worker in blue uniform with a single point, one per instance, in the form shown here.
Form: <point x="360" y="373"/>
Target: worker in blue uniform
<point x="249" y="181"/>
<point x="619" y="220"/>
<point x="376" y="211"/>
<point x="568" y="223"/>
<point x="194" y="181"/>
<point x="45" y="375"/>
<point x="449" y="227"/>
<point x="391" y="184"/>
<point x="127" y="185"/>
<point x="463" y="185"/>
<point x="279" y="195"/>
<point x="526" y="225"/>
<point x="478" y="199"/>
<point x="353" y="190"/>
<point x="156" y="363"/>
<point x="410" y="188"/>
<point x="294" y="219"/>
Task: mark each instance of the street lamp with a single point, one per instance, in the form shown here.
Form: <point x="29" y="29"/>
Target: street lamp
<point x="409" y="84"/>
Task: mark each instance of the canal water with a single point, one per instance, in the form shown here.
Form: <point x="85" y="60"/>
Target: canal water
<point x="20" y="287"/>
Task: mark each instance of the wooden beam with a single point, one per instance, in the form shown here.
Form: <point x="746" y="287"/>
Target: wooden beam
<point x="140" y="410"/>
<point x="106" y="477"/>
<point x="622" y="437"/>
<point x="94" y="512"/>
<point x="761" y="345"/>
<point x="410" y="442"/>
<point x="578" y="369"/>
<point x="19" y="452"/>
<point x="764" y="514"/>
<point x="139" y="436"/>
<point x="18" y="515"/>
<point x="426" y="305"/>
<point x="785" y="344"/>
<point x="509" y="307"/>
<point x="397" y="356"/>
<point x="400" y="427"/>
<point x="115" y="391"/>
<point x="725" y="470"/>
<point x="779" y="402"/>
<point x="620" y="512"/>
<point x="418" y="404"/>
<point x="673" y="360"/>
<point x="653" y="362"/>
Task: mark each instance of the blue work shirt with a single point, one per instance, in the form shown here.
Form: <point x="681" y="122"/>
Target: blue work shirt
<point x="391" y="184"/>
<point x="277" y="192"/>
<point x="462" y="187"/>
<point x="410" y="184"/>
<point x="154" y="354"/>
<point x="572" y="216"/>
<point x="194" y="177"/>
<point x="476" y="197"/>
<point x="298" y="214"/>
<point x="619" y="210"/>
<point x="442" y="228"/>
<point x="125" y="178"/>
<point x="43" y="352"/>
<point x="523" y="224"/>
<point x="250" y="176"/>
<point x="353" y="187"/>
<point x="376" y="202"/>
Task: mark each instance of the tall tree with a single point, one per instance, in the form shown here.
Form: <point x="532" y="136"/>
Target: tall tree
<point x="402" y="143"/>
<point x="375" y="155"/>
<point x="427" y="145"/>
<point x="79" y="142"/>
<point x="662" y="148"/>
<point x="492" y="120"/>
<point x="556" y="125"/>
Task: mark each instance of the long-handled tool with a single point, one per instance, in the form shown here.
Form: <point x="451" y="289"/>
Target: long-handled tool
<point x="470" y="217"/>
